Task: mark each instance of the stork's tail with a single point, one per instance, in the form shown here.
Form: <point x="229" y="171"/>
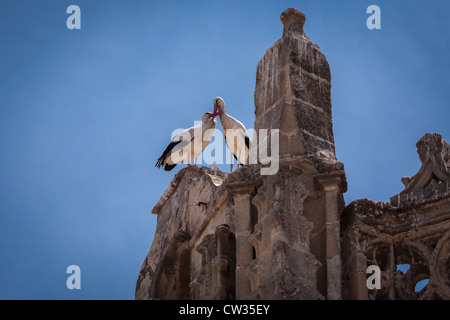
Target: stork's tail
<point x="158" y="163"/>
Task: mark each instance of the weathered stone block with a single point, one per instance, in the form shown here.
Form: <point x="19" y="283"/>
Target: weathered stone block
<point x="314" y="122"/>
<point x="310" y="88"/>
<point x="306" y="55"/>
<point x="271" y="78"/>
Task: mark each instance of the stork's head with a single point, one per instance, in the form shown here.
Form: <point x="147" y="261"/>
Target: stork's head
<point x="219" y="106"/>
<point x="207" y="117"/>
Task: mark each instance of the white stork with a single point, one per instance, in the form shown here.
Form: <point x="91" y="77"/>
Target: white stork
<point x="235" y="134"/>
<point x="186" y="145"/>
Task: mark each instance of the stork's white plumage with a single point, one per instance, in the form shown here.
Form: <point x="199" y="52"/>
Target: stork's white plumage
<point x="236" y="135"/>
<point x="188" y="144"/>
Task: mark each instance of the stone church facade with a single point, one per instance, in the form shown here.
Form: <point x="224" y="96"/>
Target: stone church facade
<point x="243" y="235"/>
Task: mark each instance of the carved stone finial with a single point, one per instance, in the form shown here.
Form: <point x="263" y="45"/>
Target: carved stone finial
<point x="434" y="153"/>
<point x="429" y="144"/>
<point x="293" y="20"/>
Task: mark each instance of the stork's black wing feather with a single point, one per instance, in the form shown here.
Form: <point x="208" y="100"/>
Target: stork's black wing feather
<point x="165" y="154"/>
<point x="247" y="141"/>
<point x="169" y="167"/>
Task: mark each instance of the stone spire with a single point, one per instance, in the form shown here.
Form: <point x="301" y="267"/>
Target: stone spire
<point x="293" y="92"/>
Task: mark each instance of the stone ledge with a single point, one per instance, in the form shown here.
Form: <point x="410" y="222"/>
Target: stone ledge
<point x="215" y="175"/>
<point x="433" y="193"/>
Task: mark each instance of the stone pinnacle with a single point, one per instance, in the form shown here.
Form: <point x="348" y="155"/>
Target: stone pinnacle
<point x="293" y="20"/>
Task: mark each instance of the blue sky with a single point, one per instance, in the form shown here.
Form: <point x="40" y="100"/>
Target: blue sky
<point x="84" y="114"/>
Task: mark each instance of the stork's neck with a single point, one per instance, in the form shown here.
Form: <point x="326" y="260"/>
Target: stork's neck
<point x="211" y="124"/>
<point x="208" y="125"/>
<point x="222" y="115"/>
<point x="225" y="120"/>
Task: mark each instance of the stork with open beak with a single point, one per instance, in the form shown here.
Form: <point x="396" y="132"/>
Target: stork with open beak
<point x="186" y="145"/>
<point x="236" y="135"/>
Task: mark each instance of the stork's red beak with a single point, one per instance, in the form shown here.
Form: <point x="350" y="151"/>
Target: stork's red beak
<point x="215" y="110"/>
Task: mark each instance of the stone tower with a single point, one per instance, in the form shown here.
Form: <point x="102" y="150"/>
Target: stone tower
<point x="245" y="235"/>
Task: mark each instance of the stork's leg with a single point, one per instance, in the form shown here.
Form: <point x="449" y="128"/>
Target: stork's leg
<point x="188" y="161"/>
<point x="231" y="165"/>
